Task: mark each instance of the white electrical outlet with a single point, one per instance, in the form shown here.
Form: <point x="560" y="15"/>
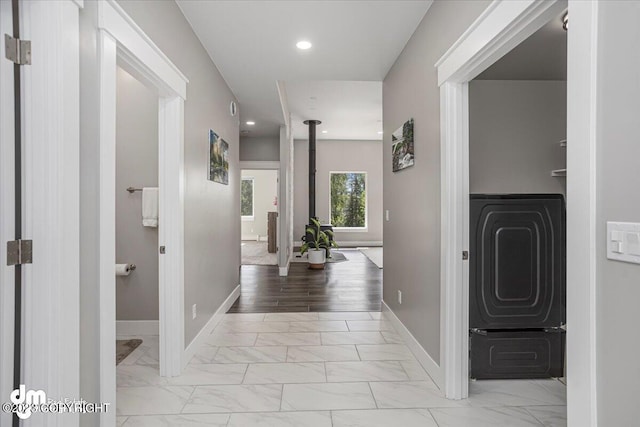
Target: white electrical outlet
<point x="399" y="297"/>
<point x="194" y="311"/>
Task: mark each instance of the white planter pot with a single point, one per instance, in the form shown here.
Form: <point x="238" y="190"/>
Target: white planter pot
<point x="316" y="258"/>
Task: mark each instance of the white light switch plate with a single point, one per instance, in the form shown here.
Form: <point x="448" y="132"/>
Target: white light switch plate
<point x="623" y="241"/>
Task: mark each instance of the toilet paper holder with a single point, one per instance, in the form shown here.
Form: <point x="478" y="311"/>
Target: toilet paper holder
<point x="124" y="269"/>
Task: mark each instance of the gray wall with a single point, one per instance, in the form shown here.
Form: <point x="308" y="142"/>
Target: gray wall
<point x="618" y="199"/>
<point x="260" y="149"/>
<point x="412" y="234"/>
<point x="136" y="166"/>
<point x="514" y="131"/>
<point x="338" y="156"/>
<point x="265" y="191"/>
<point x="212" y="210"/>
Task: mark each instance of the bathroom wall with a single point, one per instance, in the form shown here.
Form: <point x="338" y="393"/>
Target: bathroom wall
<point x="136" y="166"/>
<point x="265" y="191"/>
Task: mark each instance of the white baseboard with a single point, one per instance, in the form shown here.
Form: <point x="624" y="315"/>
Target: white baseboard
<point x="199" y="339"/>
<point x="284" y="271"/>
<point x="137" y="327"/>
<point x="429" y="365"/>
<point x="351" y="244"/>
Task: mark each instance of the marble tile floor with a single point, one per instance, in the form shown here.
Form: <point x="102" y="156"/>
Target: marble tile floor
<point x="317" y="370"/>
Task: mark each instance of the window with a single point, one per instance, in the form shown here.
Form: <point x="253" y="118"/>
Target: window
<point x="246" y="199"/>
<point x="348" y="199"/>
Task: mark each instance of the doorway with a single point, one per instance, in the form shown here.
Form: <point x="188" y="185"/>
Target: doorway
<point x="260" y="213"/>
<point x="259" y="216"/>
<point x="517" y="228"/>
<point x="137" y="227"/>
<point x="503" y="26"/>
<point x="123" y="43"/>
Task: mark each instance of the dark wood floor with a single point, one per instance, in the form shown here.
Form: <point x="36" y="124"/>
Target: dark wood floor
<point x="353" y="285"/>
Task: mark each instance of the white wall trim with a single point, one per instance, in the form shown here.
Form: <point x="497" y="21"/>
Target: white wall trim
<point x="582" y="134"/>
<point x="502" y="26"/>
<point x="259" y="164"/>
<point x="50" y="140"/>
<point x="107" y="229"/>
<point x="284" y="271"/>
<point x="120" y="39"/>
<point x="137" y="46"/>
<point x="454" y="304"/>
<point x="423" y="357"/>
<point x="137" y="327"/>
<point x="171" y="233"/>
<point x="284" y="104"/>
<point x="201" y="338"/>
<point x="285" y="192"/>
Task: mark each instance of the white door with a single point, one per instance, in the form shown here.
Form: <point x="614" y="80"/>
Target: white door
<point x="7" y="212"/>
<point x="47" y="172"/>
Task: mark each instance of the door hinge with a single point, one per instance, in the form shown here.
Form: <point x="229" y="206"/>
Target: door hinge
<point x="17" y="51"/>
<point x="19" y="252"/>
<point x="465" y="255"/>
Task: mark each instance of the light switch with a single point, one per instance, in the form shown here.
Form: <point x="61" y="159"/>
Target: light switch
<point x="633" y="243"/>
<point x="386" y="214"/>
<point x="623" y="241"/>
<point x="617" y="236"/>
<point x="617" y="247"/>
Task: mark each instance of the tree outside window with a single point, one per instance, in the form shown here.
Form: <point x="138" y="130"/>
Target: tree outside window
<point x="348" y="199"/>
<point x="246" y="198"/>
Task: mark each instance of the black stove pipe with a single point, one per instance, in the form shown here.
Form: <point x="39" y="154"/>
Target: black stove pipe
<point x="312" y="166"/>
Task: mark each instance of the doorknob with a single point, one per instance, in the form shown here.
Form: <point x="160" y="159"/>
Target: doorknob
<point x="162" y="250"/>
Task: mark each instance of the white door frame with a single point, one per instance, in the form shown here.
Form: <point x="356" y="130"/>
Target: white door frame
<point x="498" y="30"/>
<point x="121" y="40"/>
<point x="50" y="203"/>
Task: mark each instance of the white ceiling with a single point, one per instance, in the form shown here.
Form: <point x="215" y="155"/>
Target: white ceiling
<point x="542" y="56"/>
<point x="253" y="45"/>
<point x="348" y="110"/>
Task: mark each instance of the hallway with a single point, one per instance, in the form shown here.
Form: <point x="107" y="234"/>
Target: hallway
<point x="352" y="285"/>
<point x="317" y="369"/>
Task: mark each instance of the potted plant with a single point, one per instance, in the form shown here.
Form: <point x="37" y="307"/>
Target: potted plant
<point x="320" y="245"/>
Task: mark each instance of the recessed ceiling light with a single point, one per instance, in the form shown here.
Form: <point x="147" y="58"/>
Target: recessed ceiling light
<point x="325" y="131"/>
<point x="251" y="123"/>
<point x="303" y="44"/>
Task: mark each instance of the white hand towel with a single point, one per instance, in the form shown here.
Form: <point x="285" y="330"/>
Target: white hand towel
<point x="150" y="207"/>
